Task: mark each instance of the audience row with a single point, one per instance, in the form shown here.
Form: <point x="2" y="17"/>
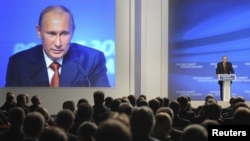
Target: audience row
<point x="128" y="118"/>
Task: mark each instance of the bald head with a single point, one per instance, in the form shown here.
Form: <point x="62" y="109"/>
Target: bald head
<point x="56" y="9"/>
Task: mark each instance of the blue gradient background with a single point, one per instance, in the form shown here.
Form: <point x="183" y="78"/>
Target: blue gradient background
<point x="201" y="32"/>
<point x="94" y="19"/>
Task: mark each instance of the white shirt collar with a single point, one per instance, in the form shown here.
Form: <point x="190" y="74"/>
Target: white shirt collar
<point x="48" y="61"/>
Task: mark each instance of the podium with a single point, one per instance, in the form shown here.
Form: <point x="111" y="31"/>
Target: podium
<point x="226" y="78"/>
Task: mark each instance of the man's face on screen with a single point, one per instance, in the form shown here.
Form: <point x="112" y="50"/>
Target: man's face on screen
<point x="55" y="32"/>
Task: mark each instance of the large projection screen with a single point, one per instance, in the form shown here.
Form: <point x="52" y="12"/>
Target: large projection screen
<point x="200" y="33"/>
<point x="103" y="25"/>
<point x="94" y="20"/>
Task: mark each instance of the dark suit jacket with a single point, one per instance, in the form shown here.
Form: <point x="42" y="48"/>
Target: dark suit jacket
<point x="220" y="68"/>
<point x="82" y="67"/>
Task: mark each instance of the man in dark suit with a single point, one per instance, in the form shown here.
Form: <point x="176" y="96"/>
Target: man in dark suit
<point x="79" y="66"/>
<point x="224" y="67"/>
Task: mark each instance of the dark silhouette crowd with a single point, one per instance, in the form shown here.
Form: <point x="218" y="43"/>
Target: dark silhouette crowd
<point x="128" y="118"/>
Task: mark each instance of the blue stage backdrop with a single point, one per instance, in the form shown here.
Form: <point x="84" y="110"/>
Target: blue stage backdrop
<point x="95" y="27"/>
<point x="200" y="33"/>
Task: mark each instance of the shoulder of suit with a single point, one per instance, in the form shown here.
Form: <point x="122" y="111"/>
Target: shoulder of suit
<point x="79" y="47"/>
<point x="28" y="52"/>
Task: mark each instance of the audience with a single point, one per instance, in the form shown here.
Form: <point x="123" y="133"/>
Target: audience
<point x="141" y="102"/>
<point x="208" y="98"/>
<point x="113" y="130"/>
<point x="33" y="126"/>
<point x="163" y="126"/>
<point x="27" y="99"/>
<point x="65" y="120"/>
<point x="9" y="102"/>
<point x="108" y="101"/>
<point x="49" y="121"/>
<point x="69" y="104"/>
<point x="35" y="100"/>
<point x="3" y="119"/>
<point x="194" y="132"/>
<point x="86" y="131"/>
<point x="126" y="108"/>
<point x="178" y="122"/>
<point x="22" y="101"/>
<point x="115" y="104"/>
<point x="53" y="134"/>
<point x="185" y="111"/>
<point x="142" y="121"/>
<point x="175" y="134"/>
<point x="84" y="113"/>
<point x="238" y="102"/>
<point x="124" y="118"/>
<point x="212" y="111"/>
<point x="166" y="101"/>
<point x="208" y="122"/>
<point x="80" y="101"/>
<point x="132" y="100"/>
<point x="241" y="116"/>
<point x="154" y="104"/>
<point x="99" y="108"/>
<point x="125" y="99"/>
<point x="229" y="108"/>
<point x="16" y="116"/>
<point x="160" y="99"/>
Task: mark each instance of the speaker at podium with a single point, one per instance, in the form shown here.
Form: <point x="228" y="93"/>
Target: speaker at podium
<point x="226" y="79"/>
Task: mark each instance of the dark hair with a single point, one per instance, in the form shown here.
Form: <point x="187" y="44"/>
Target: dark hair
<point x="16" y="116"/>
<point x="33" y="124"/>
<point x="53" y="134"/>
<point x="87" y="130"/>
<point x="132" y="100"/>
<point x="65" y="119"/>
<point x="113" y="130"/>
<point x="194" y="132"/>
<point x="35" y="99"/>
<point x="99" y="97"/>
<point x="142" y="120"/>
<point x="69" y="104"/>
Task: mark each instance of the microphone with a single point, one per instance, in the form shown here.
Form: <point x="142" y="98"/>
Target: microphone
<point x="89" y="84"/>
<point x="85" y="76"/>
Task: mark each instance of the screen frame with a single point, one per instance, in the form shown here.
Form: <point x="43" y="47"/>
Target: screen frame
<point x="52" y="98"/>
